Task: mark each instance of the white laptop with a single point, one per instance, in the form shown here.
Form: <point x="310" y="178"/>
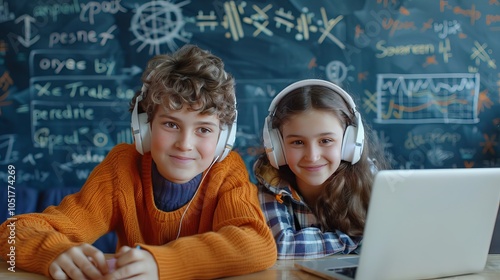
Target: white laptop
<point x="421" y="224"/>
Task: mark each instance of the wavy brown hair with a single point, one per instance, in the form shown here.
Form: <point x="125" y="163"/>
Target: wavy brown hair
<point x="190" y="76"/>
<point x="344" y="202"/>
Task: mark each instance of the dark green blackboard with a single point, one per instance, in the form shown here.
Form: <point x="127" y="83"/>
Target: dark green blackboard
<point x="423" y="73"/>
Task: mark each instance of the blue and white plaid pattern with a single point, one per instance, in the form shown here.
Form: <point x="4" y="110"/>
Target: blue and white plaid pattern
<point x="280" y="205"/>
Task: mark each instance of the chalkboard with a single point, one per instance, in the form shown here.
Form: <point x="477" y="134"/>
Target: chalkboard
<point x="424" y="74"/>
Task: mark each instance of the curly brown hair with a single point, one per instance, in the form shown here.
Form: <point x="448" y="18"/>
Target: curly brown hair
<point x="190" y="76"/>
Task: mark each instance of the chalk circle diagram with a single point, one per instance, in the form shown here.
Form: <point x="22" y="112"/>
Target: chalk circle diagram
<point x="156" y="23"/>
<point x="336" y="72"/>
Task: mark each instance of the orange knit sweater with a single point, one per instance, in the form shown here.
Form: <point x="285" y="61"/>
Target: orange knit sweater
<point x="223" y="232"/>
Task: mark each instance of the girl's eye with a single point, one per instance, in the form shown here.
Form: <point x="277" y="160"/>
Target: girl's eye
<point x="297" y="142"/>
<point x="326" y="141"/>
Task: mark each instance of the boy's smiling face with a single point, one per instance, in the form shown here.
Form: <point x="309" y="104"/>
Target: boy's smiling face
<point x="183" y="143"/>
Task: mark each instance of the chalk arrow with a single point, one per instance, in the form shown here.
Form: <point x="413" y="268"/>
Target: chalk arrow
<point x="132" y="71"/>
<point x="27" y="41"/>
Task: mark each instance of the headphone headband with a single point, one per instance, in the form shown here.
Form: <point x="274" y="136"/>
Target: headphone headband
<point x="352" y="142"/>
<point x="312" y="82"/>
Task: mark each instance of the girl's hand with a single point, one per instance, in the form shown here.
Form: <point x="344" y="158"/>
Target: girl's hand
<point x="79" y="262"/>
<point x="134" y="264"/>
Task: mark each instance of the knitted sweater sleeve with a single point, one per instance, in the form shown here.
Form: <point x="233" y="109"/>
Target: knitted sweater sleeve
<point x="239" y="241"/>
<point x="80" y="218"/>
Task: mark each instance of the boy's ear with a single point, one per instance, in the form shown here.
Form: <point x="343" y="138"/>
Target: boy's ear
<point x="226" y="140"/>
<point x="142" y="134"/>
<point x="141" y="130"/>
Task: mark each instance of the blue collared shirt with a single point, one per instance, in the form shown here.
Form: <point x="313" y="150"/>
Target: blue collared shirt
<point x="295" y="227"/>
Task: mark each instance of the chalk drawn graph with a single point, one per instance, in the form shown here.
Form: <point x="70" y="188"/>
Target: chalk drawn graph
<point x="427" y="98"/>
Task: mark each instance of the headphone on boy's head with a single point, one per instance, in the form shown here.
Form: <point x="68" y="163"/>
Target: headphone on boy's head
<point x="142" y="132"/>
<point x="354" y="136"/>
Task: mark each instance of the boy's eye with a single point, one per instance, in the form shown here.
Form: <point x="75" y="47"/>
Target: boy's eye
<point x="171" y="125"/>
<point x="204" y="130"/>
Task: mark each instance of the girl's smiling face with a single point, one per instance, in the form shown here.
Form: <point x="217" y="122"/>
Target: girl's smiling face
<point x="312" y="144"/>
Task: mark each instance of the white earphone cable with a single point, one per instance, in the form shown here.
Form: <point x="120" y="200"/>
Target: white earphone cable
<point x="196" y="192"/>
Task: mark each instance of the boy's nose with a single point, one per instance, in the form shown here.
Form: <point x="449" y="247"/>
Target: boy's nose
<point x="184" y="142"/>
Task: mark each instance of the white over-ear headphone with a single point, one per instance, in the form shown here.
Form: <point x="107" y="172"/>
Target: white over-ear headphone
<point x="141" y="130"/>
<point x="354" y="136"/>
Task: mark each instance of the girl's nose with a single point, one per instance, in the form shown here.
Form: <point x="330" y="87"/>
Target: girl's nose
<point x="313" y="153"/>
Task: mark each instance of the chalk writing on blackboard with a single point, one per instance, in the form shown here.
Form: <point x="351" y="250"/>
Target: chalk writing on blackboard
<point x="159" y="22"/>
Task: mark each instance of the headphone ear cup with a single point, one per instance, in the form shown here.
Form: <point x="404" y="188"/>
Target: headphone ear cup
<point x="268" y="145"/>
<point x="221" y="143"/>
<point x="352" y="144"/>
<point x="349" y="144"/>
<point x="143" y="137"/>
<point x="279" y="152"/>
<point x="226" y="141"/>
<point x="274" y="148"/>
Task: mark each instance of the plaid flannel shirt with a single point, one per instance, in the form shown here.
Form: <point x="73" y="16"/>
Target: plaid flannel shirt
<point x="296" y="229"/>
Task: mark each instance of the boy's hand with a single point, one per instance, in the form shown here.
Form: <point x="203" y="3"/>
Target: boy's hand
<point x="134" y="264"/>
<point x="79" y="262"/>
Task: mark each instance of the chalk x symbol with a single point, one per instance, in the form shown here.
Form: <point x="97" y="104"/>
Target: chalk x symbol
<point x="329" y="24"/>
<point x="479" y="53"/>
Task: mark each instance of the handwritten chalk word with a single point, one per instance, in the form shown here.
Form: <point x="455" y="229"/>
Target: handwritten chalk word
<point x="43" y="138"/>
<point x="88" y="157"/>
<point x="59" y="65"/>
<point x="76" y="89"/>
<point x="23" y="176"/>
<point x="395" y="25"/>
<point x="446" y="28"/>
<point x="82" y="174"/>
<point x="492" y="19"/>
<point x="125" y="94"/>
<point x="68" y="113"/>
<point x="416" y="49"/>
<point x="472" y="13"/>
<point x="414" y="141"/>
<point x="103" y="66"/>
<point x="55" y="10"/>
<point x="46" y="89"/>
<point x="372" y="29"/>
<point x="99" y="92"/>
<point x="92" y="8"/>
<point x="81" y="36"/>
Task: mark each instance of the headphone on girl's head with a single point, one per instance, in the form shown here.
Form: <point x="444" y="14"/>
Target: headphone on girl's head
<point x="354" y="135"/>
<point x="141" y="130"/>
